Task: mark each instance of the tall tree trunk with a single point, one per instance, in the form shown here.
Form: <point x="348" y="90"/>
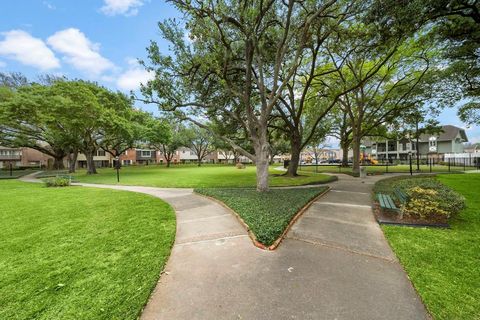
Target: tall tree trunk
<point x="73" y="161"/>
<point x="90" y="163"/>
<point x="356" y="155"/>
<point x="199" y="161"/>
<point x="295" y="146"/>
<point x="118" y="164"/>
<point x="262" y="154"/>
<point x="344" y="146"/>
<point x="168" y="162"/>
<point x="235" y="158"/>
<point x="58" y="163"/>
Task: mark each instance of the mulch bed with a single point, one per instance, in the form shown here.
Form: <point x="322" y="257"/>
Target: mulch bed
<point x="392" y="218"/>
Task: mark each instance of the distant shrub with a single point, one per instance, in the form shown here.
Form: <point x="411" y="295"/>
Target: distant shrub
<point x="240" y="165"/>
<point x="58" y="182"/>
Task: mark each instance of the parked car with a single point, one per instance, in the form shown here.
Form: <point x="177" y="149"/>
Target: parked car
<point x="334" y="161"/>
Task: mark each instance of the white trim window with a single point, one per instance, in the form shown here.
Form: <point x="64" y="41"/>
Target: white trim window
<point x="146" y="153"/>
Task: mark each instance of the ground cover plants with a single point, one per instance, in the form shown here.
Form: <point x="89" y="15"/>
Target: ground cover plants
<point x="267" y="214"/>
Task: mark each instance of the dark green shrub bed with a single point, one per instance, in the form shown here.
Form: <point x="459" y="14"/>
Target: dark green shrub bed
<point x="266" y="213"/>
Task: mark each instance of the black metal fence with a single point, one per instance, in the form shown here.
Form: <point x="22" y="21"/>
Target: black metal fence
<point x="411" y="165"/>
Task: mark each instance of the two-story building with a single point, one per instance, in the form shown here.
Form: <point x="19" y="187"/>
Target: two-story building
<point x="450" y="140"/>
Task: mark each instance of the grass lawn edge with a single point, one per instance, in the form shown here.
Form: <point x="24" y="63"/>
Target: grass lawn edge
<point x="252" y="236"/>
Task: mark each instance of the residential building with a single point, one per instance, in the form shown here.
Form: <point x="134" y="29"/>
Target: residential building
<point x="102" y="159"/>
<point x="23" y="157"/>
<point x="308" y="155"/>
<point x="450" y="140"/>
<point x="10" y="156"/>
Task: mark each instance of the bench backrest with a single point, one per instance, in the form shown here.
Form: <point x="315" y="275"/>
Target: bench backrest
<point x="401" y="195"/>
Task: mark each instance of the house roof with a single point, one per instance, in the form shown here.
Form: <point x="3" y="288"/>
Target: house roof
<point x="449" y="133"/>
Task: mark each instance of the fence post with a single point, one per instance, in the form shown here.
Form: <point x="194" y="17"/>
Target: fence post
<point x="430" y="162"/>
<point x="410" y="161"/>
<point x="386" y="167"/>
<point x="464" y="164"/>
<point x="448" y="164"/>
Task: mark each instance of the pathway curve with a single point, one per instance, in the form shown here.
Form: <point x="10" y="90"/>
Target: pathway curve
<point x="334" y="263"/>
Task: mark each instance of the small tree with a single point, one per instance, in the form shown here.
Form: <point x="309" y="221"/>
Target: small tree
<point x="164" y="135"/>
<point x="200" y="141"/>
<point x="123" y="128"/>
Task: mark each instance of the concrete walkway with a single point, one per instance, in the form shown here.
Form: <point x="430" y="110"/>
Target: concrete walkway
<point x="334" y="264"/>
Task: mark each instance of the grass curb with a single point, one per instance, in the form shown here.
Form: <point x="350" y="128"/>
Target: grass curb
<point x="252" y="236"/>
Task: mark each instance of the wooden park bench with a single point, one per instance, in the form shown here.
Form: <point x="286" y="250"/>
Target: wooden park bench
<point x="386" y="201"/>
<point x="401" y="196"/>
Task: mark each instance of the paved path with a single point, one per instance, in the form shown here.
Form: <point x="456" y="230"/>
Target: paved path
<point x="334" y="264"/>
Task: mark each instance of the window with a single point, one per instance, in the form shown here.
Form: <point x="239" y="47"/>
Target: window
<point x="101" y="153"/>
<point x="146" y="153"/>
<point x="127" y="162"/>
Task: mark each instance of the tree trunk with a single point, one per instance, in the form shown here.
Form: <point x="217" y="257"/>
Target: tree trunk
<point x="199" y="161"/>
<point x="73" y="162"/>
<point x="261" y="162"/>
<point x="345" y="154"/>
<point x="168" y="162"/>
<point x="356" y="156"/>
<point x="235" y="158"/>
<point x="58" y="163"/>
<point x="295" y="146"/>
<point x="90" y="163"/>
<point x="118" y="164"/>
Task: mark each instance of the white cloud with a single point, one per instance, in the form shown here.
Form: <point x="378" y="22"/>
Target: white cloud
<point x="133" y="76"/>
<point x="124" y="7"/>
<point x="21" y="46"/>
<point x="49" y="5"/>
<point x="2" y="64"/>
<point x="80" y="52"/>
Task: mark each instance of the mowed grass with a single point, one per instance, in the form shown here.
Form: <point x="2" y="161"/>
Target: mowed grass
<point x="267" y="214"/>
<point x="79" y="253"/>
<point x="192" y="176"/>
<point x="444" y="265"/>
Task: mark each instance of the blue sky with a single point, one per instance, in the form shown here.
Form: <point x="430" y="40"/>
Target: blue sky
<point x="95" y="39"/>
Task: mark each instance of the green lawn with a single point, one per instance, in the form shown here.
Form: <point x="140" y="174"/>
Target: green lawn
<point x="267" y="214"/>
<point x="381" y="169"/>
<point x="444" y="265"/>
<point x="187" y="176"/>
<point x="79" y="253"/>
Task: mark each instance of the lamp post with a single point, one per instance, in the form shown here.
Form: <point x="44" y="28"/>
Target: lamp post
<point x="410" y="161"/>
<point x="117" y="167"/>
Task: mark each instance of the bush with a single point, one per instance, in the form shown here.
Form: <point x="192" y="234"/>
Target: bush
<point x="58" y="182"/>
<point x="423" y="203"/>
<point x="240" y="166"/>
<point x="428" y="198"/>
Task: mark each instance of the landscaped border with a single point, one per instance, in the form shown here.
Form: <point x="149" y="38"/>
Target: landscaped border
<point x="294" y="219"/>
<point x="383" y="218"/>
